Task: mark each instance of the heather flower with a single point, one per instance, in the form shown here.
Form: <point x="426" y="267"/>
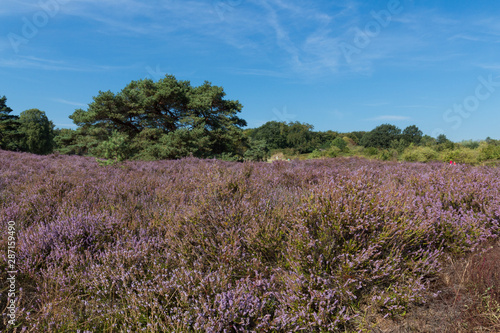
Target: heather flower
<point x="205" y="245"/>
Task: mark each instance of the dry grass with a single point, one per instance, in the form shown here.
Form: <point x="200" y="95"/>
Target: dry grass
<point x="468" y="301"/>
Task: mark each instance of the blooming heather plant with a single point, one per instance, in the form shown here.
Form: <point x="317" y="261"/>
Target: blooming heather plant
<point x="211" y="246"/>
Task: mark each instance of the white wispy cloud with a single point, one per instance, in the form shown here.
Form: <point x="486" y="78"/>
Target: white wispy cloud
<point x="488" y="66"/>
<point x="475" y="38"/>
<point x="418" y="106"/>
<point x="299" y="38"/>
<point x="296" y="38"/>
<point x="63" y="101"/>
<point x="257" y="72"/>
<point x="389" y="118"/>
<point x="37" y="63"/>
<point x="376" y="103"/>
<point x="30" y="62"/>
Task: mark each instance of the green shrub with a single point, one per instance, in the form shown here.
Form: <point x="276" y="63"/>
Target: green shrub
<point x="287" y="152"/>
<point x="334" y="151"/>
<point x="315" y="154"/>
<point x="462" y="155"/>
<point x="370" y="151"/>
<point x="419" y="154"/>
<point x="339" y="143"/>
<point x="470" y="144"/>
<point x="116" y="148"/>
<point x="488" y="152"/>
<point x="388" y="154"/>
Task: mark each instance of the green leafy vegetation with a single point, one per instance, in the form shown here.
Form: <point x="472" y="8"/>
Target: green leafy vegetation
<point x="31" y="131"/>
<point x="171" y="119"/>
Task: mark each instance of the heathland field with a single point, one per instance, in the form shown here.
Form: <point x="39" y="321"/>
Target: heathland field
<point x="210" y="246"/>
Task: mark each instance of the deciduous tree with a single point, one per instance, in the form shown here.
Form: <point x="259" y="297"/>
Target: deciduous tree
<point x="412" y="134"/>
<point x="381" y="136"/>
<point x="37" y="132"/>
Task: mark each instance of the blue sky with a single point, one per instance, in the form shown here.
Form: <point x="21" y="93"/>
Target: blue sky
<point x="344" y="65"/>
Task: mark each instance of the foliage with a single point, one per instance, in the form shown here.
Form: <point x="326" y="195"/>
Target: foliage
<point x="9" y="125"/>
<point x="464" y="155"/>
<point x="257" y="151"/>
<point x="163" y="119"/>
<point x="469" y="144"/>
<point x="419" y="154"/>
<point x="388" y="155"/>
<point x="334" y="151"/>
<point x="492" y="142"/>
<point x="427" y="141"/>
<point x="116" y="148"/>
<point x="295" y="135"/>
<point x="370" y="151"/>
<point x="441" y="138"/>
<point x="273" y="133"/>
<point x="37" y="132"/>
<point x="355" y="136"/>
<point x="400" y="145"/>
<point x="339" y="143"/>
<point x="171" y="119"/>
<point x="381" y="136"/>
<point x="488" y="151"/>
<point x="331" y="152"/>
<point x="444" y="143"/>
<point x="299" y="136"/>
<point x="323" y="140"/>
<point x="287" y="153"/>
<point x="412" y="134"/>
<point x="315" y="154"/>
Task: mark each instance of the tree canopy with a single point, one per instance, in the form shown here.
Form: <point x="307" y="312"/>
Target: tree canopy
<point x="293" y="135"/>
<point x="381" y="136"/>
<point x="170" y="119"/>
<point x="37" y="132"/>
<point x="412" y="134"/>
<point x="164" y="119"/>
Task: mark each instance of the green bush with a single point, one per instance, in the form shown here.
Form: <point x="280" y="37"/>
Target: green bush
<point x="370" y="151"/>
<point x="462" y="155"/>
<point x="116" y="148"/>
<point x="339" y="143"/>
<point x="419" y="154"/>
<point x="334" y="151"/>
<point x="388" y="154"/>
<point x="488" y="151"/>
<point x="470" y="144"/>
<point x="287" y="152"/>
<point x="400" y="145"/>
<point x="315" y="154"/>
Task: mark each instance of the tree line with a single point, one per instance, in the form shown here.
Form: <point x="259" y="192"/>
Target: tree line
<point x="170" y="119"/>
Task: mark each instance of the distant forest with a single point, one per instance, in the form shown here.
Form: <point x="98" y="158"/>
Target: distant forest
<point x="171" y="119"/>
